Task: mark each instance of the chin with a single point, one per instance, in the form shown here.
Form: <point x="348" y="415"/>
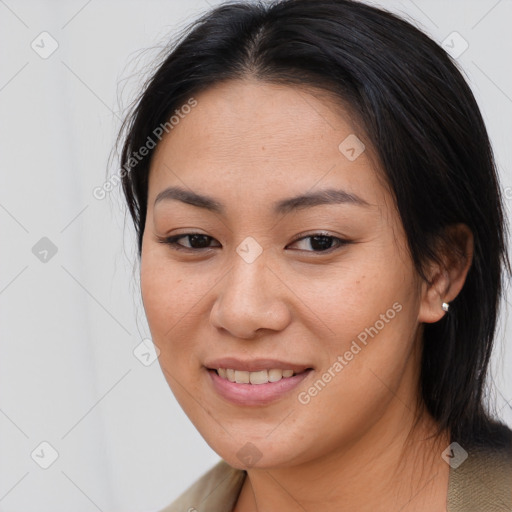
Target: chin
<point x="255" y="453"/>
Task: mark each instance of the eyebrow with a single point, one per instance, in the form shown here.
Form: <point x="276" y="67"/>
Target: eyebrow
<point x="321" y="197"/>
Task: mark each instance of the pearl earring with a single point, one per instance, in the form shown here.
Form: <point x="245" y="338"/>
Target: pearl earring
<point x="445" y="306"/>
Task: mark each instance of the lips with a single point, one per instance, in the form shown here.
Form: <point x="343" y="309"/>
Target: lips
<point x="255" y="382"/>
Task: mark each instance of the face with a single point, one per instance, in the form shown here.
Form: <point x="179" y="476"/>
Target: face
<point x="292" y="262"/>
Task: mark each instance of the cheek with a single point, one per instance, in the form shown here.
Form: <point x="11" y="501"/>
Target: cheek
<point x="366" y="361"/>
<point x="165" y="296"/>
<point x="174" y="303"/>
<point x="169" y="307"/>
<point x="366" y="314"/>
<point x="352" y="295"/>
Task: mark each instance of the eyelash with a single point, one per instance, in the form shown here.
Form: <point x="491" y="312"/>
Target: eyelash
<point x="173" y="242"/>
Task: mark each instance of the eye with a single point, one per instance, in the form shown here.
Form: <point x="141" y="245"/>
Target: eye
<point x="317" y="242"/>
<point x="320" y="242"/>
<point x="196" y="241"/>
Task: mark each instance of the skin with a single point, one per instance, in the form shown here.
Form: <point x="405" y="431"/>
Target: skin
<point x="249" y="144"/>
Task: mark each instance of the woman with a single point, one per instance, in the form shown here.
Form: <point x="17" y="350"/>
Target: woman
<point x="322" y="245"/>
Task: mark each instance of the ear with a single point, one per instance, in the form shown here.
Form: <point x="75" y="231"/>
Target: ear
<point x="446" y="280"/>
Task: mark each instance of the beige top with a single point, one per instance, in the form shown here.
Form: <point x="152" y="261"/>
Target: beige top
<point x="482" y="483"/>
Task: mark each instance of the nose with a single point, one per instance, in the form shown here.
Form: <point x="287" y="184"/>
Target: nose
<point x="251" y="299"/>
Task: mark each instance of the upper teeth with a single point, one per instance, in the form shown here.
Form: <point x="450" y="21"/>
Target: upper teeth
<point x="261" y="377"/>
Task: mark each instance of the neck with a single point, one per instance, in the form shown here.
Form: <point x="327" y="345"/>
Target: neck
<point x="392" y="467"/>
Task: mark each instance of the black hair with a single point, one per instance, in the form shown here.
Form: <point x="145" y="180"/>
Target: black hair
<point x="424" y="124"/>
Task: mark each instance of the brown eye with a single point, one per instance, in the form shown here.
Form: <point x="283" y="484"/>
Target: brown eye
<point x="196" y="241"/>
<point x="320" y="242"/>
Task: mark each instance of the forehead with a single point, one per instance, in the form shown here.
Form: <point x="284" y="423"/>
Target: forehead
<point x="247" y="139"/>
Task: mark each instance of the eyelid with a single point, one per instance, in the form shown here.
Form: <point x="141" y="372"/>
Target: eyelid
<point x="307" y="234"/>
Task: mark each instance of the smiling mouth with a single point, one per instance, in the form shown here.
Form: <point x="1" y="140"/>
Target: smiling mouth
<point x="259" y="377"/>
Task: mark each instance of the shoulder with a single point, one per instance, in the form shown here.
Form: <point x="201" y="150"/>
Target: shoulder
<point x="482" y="477"/>
<point x="217" y="489"/>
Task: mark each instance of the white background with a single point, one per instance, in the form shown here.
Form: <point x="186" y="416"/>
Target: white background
<point x="68" y="327"/>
